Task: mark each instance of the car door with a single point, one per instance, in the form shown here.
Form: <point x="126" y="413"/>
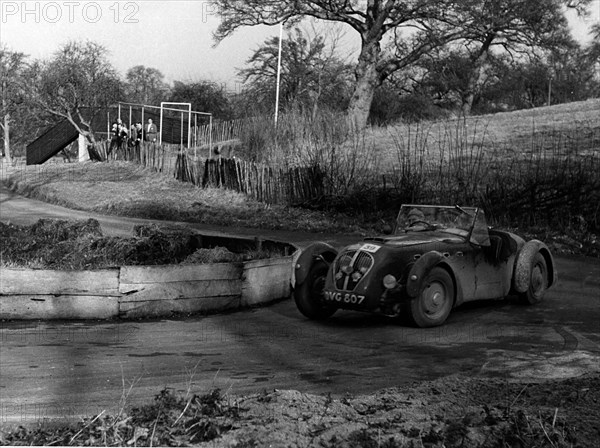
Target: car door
<point x="481" y="276"/>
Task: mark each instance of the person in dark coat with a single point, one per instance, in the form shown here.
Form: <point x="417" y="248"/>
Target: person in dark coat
<point x="151" y="132"/>
<point x="116" y="139"/>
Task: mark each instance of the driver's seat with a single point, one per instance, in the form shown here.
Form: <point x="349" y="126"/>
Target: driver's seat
<point x="495" y="249"/>
<point x="501" y="245"/>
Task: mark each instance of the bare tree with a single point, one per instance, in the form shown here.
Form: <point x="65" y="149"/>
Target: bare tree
<point x="11" y="93"/>
<point x="514" y="27"/>
<point x="145" y="85"/>
<point x="429" y="23"/>
<point x="593" y="49"/>
<point x="312" y="72"/>
<point x="396" y="33"/>
<point x="76" y="84"/>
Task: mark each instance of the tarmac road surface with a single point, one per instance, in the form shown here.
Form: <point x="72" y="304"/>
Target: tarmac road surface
<point x="66" y="370"/>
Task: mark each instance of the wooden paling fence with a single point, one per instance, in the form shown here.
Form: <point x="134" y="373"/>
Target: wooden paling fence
<point x="161" y="158"/>
<point x="221" y="131"/>
<point x="264" y="183"/>
<point x="272" y="185"/>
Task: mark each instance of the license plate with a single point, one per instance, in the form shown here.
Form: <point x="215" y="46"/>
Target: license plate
<point x="343" y="297"/>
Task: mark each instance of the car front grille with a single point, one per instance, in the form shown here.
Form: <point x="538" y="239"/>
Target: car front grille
<point x="359" y="262"/>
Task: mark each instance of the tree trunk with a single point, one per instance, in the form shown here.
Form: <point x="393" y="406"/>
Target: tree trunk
<point x="6" y="128"/>
<point x="87" y="133"/>
<point x="91" y="147"/>
<point x="367" y="80"/>
<point x="476" y="79"/>
<point x="474" y="86"/>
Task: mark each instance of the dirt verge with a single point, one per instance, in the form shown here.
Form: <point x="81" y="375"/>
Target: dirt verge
<point x="451" y="412"/>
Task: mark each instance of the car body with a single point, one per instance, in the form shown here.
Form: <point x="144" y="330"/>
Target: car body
<point x="437" y="258"/>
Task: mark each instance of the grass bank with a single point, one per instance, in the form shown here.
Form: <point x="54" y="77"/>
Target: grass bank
<point x="126" y="189"/>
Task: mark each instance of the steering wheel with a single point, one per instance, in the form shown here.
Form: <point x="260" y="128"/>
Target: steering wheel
<point x="419" y="221"/>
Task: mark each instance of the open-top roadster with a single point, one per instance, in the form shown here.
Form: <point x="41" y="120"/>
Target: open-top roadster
<point x="437" y="257"/>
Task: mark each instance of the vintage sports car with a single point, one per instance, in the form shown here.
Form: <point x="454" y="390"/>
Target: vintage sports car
<point x="436" y="258"/>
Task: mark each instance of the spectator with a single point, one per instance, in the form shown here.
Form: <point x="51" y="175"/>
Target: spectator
<point x="131" y="141"/>
<point x="123" y="133"/>
<point x="139" y="130"/>
<point x="151" y="132"/>
<point x="116" y="136"/>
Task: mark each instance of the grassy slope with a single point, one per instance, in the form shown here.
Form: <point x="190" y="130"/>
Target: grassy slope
<point x="502" y="134"/>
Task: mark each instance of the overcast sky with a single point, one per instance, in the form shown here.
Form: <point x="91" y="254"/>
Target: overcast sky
<point x="173" y="36"/>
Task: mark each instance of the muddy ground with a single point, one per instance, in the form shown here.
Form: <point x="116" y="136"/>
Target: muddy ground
<point x="454" y="411"/>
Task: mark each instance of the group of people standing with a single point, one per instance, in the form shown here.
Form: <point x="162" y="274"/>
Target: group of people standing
<point x="122" y="137"/>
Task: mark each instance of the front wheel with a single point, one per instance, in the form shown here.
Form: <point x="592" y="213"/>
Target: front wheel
<point x="308" y="296"/>
<point x="433" y="305"/>
<point x="538" y="282"/>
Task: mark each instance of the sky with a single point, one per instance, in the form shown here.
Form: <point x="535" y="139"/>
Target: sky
<point x="173" y="36"/>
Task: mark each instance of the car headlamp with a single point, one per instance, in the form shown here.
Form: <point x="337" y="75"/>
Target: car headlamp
<point x="347" y="269"/>
<point x="346" y="264"/>
<point x="389" y="282"/>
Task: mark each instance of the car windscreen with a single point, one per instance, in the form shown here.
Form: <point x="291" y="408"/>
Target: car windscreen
<point x="467" y="222"/>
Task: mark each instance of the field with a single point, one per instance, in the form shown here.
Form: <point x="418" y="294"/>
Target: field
<point x="573" y="126"/>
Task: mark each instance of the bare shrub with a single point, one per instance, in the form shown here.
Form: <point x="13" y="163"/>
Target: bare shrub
<point x="552" y="180"/>
<point x="325" y="140"/>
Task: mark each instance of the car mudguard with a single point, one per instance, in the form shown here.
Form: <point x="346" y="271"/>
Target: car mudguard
<point x="522" y="269"/>
<point x="419" y="271"/>
<point x="307" y="257"/>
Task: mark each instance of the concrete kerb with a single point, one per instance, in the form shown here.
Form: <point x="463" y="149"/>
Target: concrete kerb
<point x="146" y="291"/>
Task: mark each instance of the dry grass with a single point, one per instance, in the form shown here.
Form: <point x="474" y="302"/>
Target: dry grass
<point x="574" y="126"/>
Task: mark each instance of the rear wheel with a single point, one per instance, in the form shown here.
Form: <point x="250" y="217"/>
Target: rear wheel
<point x="433" y="305"/>
<point x="538" y="282"/>
<point x="308" y="296"/>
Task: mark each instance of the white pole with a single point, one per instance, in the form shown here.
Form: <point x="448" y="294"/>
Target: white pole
<point x="278" y="72"/>
<point x="161" y="126"/>
<point x="143" y="124"/>
<point x="189" y="127"/>
<point x="210" y="136"/>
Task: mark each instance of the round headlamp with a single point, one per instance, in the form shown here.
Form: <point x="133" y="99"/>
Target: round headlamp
<point x="389" y="282"/>
<point x="345" y="263"/>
